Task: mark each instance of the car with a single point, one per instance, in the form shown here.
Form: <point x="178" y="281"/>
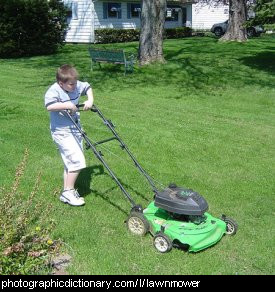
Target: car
<point x="220" y="28"/>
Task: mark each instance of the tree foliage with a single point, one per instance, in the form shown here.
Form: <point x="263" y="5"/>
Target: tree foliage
<point x="31" y="27"/>
<point x="265" y="12"/>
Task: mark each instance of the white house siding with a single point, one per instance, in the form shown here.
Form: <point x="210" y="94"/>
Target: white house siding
<point x="124" y="22"/>
<point x="81" y="29"/>
<point x="90" y="17"/>
<point x="205" y="15"/>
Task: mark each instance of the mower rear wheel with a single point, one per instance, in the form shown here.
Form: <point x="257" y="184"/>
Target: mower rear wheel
<point x="162" y="242"/>
<point x="231" y="226"/>
<point x="137" y="223"/>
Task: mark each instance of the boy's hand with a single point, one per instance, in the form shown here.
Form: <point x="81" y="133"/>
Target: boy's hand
<point x="72" y="108"/>
<point x="88" y="105"/>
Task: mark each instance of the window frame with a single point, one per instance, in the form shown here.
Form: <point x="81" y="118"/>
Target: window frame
<point x="132" y="7"/>
<point x="116" y="13"/>
<point x="174" y="9"/>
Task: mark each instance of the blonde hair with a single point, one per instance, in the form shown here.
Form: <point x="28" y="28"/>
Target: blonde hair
<point x="66" y="72"/>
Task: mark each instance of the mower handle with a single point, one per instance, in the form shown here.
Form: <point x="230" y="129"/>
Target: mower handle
<point x="93" y="109"/>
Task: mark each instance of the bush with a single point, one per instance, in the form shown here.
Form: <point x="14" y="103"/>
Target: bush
<point x="31" y="27"/>
<point x="26" y="246"/>
<point x="111" y="35"/>
<point x="177" y="33"/>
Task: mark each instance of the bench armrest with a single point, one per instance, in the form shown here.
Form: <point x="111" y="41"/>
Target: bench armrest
<point x="132" y="58"/>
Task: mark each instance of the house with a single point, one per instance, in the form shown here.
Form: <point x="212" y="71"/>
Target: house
<point x="85" y="16"/>
<point x="204" y="15"/>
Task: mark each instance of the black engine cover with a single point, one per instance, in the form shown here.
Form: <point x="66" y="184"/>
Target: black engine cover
<point x="181" y="201"/>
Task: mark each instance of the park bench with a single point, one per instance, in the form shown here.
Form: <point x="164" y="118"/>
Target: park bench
<point x="111" y="56"/>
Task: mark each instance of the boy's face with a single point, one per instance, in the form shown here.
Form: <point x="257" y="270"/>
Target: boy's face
<point x="68" y="86"/>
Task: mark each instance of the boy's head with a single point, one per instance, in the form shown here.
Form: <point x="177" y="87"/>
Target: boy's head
<point x="66" y="77"/>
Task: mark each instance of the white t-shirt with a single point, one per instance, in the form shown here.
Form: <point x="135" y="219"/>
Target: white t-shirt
<point x="59" y="120"/>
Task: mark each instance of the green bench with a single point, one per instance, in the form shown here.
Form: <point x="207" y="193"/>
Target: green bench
<point x="112" y="56"/>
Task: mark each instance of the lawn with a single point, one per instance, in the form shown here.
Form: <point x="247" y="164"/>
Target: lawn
<point x="204" y="120"/>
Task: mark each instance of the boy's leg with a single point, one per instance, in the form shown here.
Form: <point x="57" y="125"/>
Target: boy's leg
<point x="65" y="178"/>
<point x="69" y="194"/>
<point x="70" y="179"/>
<point x="70" y="147"/>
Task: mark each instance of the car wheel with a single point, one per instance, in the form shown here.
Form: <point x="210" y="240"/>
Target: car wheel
<point x="137" y="223"/>
<point x="162" y="242"/>
<point x="251" y="32"/>
<point x="218" y="31"/>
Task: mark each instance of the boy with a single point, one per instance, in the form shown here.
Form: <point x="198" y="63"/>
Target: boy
<point x="61" y="97"/>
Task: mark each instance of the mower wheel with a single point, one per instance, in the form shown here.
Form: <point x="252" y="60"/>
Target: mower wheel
<point x="137" y="223"/>
<point x="162" y="242"/>
<point x="231" y="226"/>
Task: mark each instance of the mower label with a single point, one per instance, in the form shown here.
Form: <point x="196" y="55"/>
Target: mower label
<point x="159" y="221"/>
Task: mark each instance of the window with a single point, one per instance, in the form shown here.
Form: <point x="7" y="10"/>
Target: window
<point x="172" y="13"/>
<point x="111" y="10"/>
<point x="134" y="10"/>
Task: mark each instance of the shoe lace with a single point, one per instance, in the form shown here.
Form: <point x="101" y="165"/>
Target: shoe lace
<point x="76" y="194"/>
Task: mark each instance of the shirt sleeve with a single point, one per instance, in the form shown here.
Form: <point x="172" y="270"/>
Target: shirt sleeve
<point x="51" y="97"/>
<point x="84" y="87"/>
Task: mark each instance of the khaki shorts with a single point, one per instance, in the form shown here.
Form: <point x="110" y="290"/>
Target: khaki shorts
<point x="70" y="146"/>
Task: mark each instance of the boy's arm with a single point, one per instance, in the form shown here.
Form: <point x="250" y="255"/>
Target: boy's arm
<point x="60" y="106"/>
<point x="54" y="104"/>
<point x="89" y="103"/>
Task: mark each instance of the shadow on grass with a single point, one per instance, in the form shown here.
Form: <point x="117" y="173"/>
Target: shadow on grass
<point x="83" y="184"/>
<point x="194" y="65"/>
<point x="107" y="196"/>
<point x="264" y="61"/>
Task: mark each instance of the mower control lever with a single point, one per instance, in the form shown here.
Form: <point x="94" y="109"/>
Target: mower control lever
<point x="93" y="109"/>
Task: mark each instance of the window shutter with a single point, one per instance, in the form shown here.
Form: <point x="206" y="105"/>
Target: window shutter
<point x="105" y="10"/>
<point x="119" y="10"/>
<point x="128" y="10"/>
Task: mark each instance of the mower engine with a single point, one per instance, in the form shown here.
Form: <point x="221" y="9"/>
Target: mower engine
<point x="182" y="203"/>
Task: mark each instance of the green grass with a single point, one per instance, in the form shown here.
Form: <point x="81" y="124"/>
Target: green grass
<point x="204" y="120"/>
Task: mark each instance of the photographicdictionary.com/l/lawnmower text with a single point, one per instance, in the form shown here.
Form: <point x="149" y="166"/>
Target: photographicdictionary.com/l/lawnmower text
<point x="105" y="284"/>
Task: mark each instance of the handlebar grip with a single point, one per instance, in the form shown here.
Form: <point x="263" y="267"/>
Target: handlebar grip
<point x="93" y="109"/>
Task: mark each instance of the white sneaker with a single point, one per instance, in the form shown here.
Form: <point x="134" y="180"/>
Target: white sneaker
<point x="70" y="197"/>
<point x="77" y="195"/>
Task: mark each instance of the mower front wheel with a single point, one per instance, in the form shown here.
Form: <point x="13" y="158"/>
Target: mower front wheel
<point x="162" y="242"/>
<point x="137" y="223"/>
<point x="231" y="226"/>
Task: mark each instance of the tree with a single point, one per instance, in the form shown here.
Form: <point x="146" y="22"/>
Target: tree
<point x="236" y="30"/>
<point x="151" y="35"/>
<point x="265" y="13"/>
<point x="31" y="27"/>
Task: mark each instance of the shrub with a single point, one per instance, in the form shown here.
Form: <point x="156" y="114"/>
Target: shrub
<point x="31" y="27"/>
<point x="26" y="246"/>
<point x="111" y="35"/>
<point x="177" y="33"/>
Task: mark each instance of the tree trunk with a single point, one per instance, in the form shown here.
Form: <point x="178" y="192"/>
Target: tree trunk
<point x="151" y="34"/>
<point x="237" y="17"/>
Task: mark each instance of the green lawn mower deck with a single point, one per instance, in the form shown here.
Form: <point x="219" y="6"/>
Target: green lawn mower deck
<point x="182" y="221"/>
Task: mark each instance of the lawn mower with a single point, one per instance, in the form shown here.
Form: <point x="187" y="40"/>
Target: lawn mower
<point x="177" y="216"/>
